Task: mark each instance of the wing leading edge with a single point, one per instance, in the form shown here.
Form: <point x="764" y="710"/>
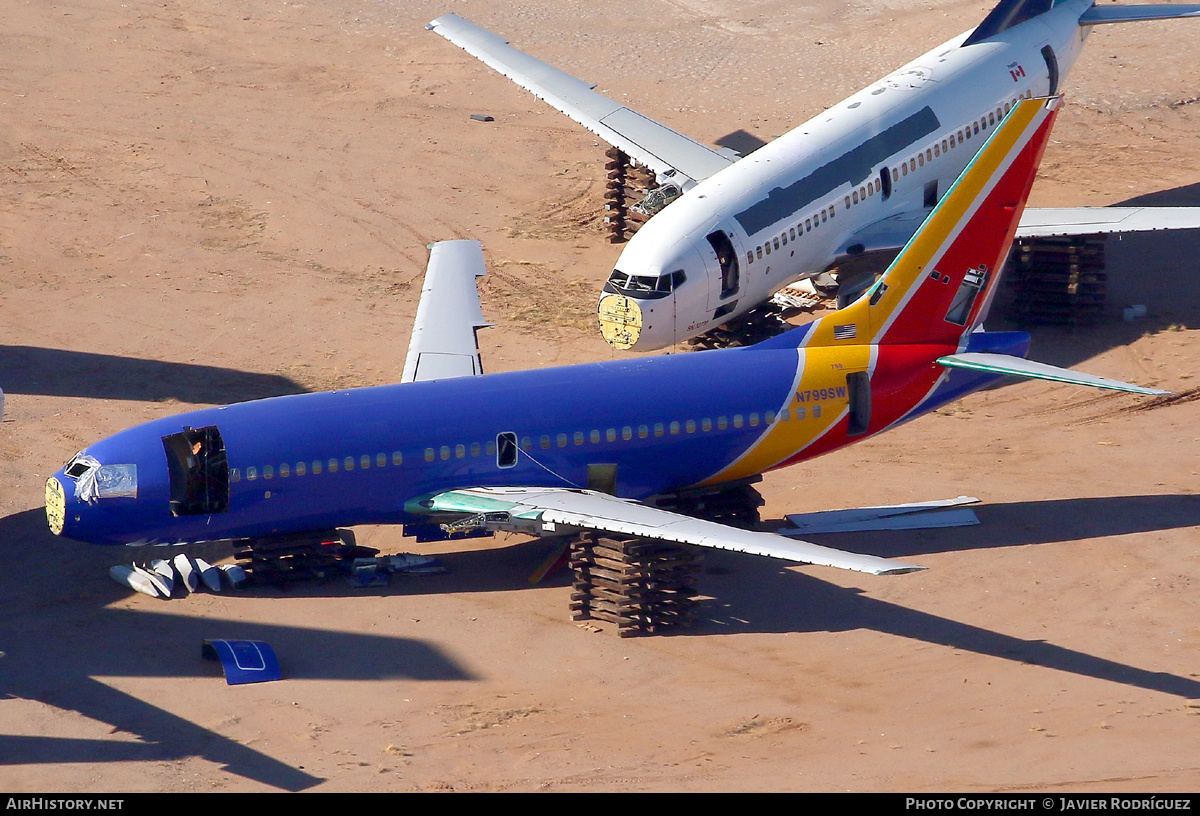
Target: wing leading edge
<point x="1134" y="14"/>
<point x="543" y="511"/>
<point x="651" y="143"/>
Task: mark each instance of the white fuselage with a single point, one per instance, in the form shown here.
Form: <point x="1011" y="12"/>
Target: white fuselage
<point x="803" y="202"/>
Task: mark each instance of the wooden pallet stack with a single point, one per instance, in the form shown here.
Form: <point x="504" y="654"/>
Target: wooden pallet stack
<point x="615" y="205"/>
<point x="309" y="556"/>
<point x="641" y="585"/>
<point x="626" y="181"/>
<point x="1058" y="281"/>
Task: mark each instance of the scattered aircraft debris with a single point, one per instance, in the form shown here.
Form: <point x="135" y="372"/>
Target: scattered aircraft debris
<point x="134" y="579"/>
<point x="913" y="516"/>
<point x="243" y="661"/>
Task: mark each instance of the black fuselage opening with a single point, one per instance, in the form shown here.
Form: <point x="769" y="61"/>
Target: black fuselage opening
<point x="727" y="258"/>
<point x="199" y="471"/>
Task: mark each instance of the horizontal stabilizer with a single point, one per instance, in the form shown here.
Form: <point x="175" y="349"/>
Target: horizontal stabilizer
<point x="443" y="343"/>
<point x="1017" y="367"/>
<point x="541" y="510"/>
<point x="1100" y="15"/>
<point x="648" y="142"/>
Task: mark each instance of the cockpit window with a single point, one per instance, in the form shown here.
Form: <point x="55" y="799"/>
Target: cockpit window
<point x="644" y="286"/>
<point x="79" y="465"/>
<point x="96" y="481"/>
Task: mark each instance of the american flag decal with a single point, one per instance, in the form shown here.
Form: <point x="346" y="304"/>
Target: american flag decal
<point x="845" y="332"/>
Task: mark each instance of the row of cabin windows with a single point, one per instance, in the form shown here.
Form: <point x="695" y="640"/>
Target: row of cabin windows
<point x="792" y="233"/>
<point x="953" y="140"/>
<point x="545" y="441"/>
<point x="874" y="186"/>
<point x="317" y="466"/>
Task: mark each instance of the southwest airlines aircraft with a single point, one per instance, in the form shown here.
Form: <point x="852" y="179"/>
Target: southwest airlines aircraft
<point x="517" y="451"/>
<point x="850" y="183"/>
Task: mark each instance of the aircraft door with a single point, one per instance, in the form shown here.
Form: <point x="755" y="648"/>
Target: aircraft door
<point x="1051" y="68"/>
<point x="858" y="392"/>
<point x="727" y="263"/>
<point x="727" y="278"/>
<point x="199" y="471"/>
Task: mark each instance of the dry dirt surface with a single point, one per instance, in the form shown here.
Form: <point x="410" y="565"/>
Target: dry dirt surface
<point x="202" y="203"/>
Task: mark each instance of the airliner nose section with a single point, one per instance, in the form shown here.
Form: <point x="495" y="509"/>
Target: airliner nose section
<point x="86" y="498"/>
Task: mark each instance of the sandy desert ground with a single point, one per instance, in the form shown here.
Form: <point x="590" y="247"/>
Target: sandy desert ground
<point x="207" y="203"/>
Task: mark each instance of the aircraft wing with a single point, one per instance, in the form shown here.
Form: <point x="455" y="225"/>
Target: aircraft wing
<point x="1020" y="367"/>
<point x="1044" y="222"/>
<point x="1131" y="14"/>
<point x="443" y="342"/>
<point x="650" y="143"/>
<point x="543" y="510"/>
<point x="892" y="233"/>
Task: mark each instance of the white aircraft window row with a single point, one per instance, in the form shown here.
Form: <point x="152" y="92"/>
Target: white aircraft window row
<point x="546" y="441"/>
<point x="792" y="233"/>
<point x="874" y="186"/>
<point x="973" y="128"/>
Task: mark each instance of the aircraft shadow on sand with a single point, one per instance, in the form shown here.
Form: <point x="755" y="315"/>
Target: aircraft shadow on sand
<point x="742" y="141"/>
<point x="756" y="595"/>
<point x="750" y="595"/>
<point x="1018" y="524"/>
<point x="63" y="373"/>
<point x="56" y="659"/>
<point x="762" y="597"/>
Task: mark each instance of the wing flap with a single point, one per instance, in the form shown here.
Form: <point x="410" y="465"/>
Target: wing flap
<point x="587" y="510"/>
<point x="1018" y="367"/>
<point x="647" y="141"/>
<point x="443" y="342"/>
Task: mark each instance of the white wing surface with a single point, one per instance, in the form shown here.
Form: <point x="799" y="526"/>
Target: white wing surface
<point x="1046" y="222"/>
<point x="1132" y="14"/>
<point x="648" y="142"/>
<point x="542" y="510"/>
<point x="892" y="233"/>
<point x="443" y="343"/>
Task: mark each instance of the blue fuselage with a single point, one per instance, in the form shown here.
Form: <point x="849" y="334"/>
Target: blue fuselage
<point x="318" y="461"/>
